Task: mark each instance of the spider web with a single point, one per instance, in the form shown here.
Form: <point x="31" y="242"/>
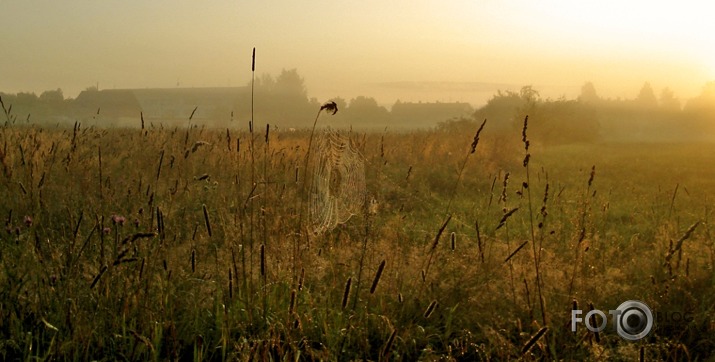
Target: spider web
<point x="338" y="188"/>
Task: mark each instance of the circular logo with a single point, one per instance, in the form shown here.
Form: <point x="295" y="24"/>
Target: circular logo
<point x="634" y="320"/>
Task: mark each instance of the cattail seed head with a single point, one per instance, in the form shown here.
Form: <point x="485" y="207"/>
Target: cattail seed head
<point x="593" y="322"/>
<point x="253" y="60"/>
<point x="230" y="284"/>
<point x="291" y="306"/>
<point x="346" y="294"/>
<point x="377" y="277"/>
<point x="430" y="309"/>
<point x="388" y="344"/>
<point x="193" y="263"/>
<point x="263" y="260"/>
<point x="206" y="219"/>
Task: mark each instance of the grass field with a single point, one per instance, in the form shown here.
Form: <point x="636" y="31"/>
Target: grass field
<point x="192" y="244"/>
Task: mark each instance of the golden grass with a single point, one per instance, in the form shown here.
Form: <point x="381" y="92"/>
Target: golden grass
<point x="175" y="273"/>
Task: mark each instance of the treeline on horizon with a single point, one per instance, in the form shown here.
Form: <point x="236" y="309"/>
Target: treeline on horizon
<point x="590" y="118"/>
<point x="283" y="102"/>
<point x="280" y="101"/>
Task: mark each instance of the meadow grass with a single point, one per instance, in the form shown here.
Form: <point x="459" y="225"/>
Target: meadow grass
<point x="170" y="243"/>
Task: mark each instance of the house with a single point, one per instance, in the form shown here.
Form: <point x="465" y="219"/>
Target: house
<point x="117" y="104"/>
<point x="215" y="103"/>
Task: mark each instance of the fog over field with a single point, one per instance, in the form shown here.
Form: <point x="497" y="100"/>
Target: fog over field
<point x="456" y="51"/>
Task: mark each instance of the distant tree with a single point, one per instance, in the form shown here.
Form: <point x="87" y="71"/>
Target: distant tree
<point x="362" y="102"/>
<point x="366" y="110"/>
<point x="52" y="96"/>
<point x="705" y="102"/>
<point x="562" y="121"/>
<point x="668" y="101"/>
<point x="504" y="109"/>
<point x="588" y="94"/>
<point x="264" y="84"/>
<point x="314" y="103"/>
<point x="291" y="83"/>
<point x="281" y="100"/>
<point x="529" y="94"/>
<point x="700" y="111"/>
<point x="646" y="97"/>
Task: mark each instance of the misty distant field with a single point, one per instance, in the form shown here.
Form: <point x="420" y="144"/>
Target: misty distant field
<point x="177" y="243"/>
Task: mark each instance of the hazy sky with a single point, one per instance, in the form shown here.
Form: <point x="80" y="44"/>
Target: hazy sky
<point x="454" y="50"/>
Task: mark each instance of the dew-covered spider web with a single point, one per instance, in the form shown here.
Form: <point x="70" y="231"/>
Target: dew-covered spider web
<point x="338" y="188"/>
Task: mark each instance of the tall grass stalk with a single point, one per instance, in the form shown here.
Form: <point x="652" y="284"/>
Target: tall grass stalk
<point x="363" y="253"/>
<point x="448" y="216"/>
<point x="585" y="210"/>
<point x="532" y="229"/>
<point x="252" y="150"/>
<point x="328" y="107"/>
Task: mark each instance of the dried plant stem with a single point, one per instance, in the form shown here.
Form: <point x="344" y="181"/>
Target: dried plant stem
<point x="99" y="154"/>
<point x="263" y="280"/>
<point x="516" y="251"/>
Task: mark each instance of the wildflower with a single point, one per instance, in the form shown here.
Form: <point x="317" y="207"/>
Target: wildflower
<point x="117" y="219"/>
<point x="27" y="220"/>
<point x="106" y="230"/>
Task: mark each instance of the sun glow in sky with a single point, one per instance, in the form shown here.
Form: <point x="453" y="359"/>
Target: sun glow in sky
<point x="408" y="50"/>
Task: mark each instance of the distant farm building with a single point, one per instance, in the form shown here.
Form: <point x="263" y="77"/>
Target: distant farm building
<point x="162" y="104"/>
<point x="116" y="104"/>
